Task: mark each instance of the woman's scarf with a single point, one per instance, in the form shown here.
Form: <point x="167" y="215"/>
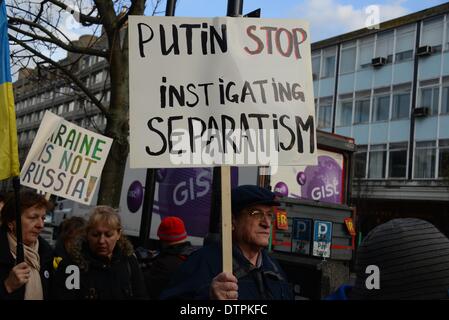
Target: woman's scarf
<point x="33" y="288"/>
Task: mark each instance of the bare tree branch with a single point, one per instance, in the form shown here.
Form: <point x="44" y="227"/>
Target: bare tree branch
<point x="52" y="39"/>
<point x="69" y="74"/>
<point x="85" y="20"/>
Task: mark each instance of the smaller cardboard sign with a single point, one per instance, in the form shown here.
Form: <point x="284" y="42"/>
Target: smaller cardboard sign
<point x="65" y="160"/>
<point x="282" y="238"/>
<point x="350" y="226"/>
<point x="281" y="220"/>
<point x="322" y="239"/>
<point x="301" y="236"/>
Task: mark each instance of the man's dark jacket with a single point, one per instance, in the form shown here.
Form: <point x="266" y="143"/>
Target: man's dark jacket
<point x="158" y="275"/>
<point x="7" y="262"/>
<point x="193" y="278"/>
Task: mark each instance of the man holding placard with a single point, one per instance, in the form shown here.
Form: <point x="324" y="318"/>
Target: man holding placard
<point x="256" y="276"/>
<point x="239" y="92"/>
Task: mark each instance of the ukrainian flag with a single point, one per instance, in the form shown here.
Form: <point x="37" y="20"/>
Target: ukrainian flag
<point x="9" y="155"/>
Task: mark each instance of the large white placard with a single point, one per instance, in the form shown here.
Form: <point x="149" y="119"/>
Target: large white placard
<point x="65" y="159"/>
<point x="214" y="91"/>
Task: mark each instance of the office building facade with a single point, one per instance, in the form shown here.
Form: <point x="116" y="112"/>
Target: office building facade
<point x="37" y="91"/>
<point x="388" y="87"/>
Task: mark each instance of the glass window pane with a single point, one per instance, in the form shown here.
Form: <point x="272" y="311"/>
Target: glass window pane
<point x="377" y="162"/>
<point x="405" y="41"/>
<point x="384" y="46"/>
<point x="347" y="63"/>
<point x="345" y="109"/>
<point x="436" y="93"/>
<point x="445" y="101"/>
<point x="443" y="158"/>
<point x="366" y="51"/>
<point x="424" y="166"/>
<point x="397" y="167"/>
<point x="329" y="67"/>
<point x="316" y="67"/>
<point x="426" y="98"/>
<point x="401" y="106"/>
<point x="361" y="111"/>
<point x="381" y="108"/>
<point x="360" y="162"/>
<point x="325" y="116"/>
<point x="443" y="166"/>
<point x="432" y="33"/>
<point x="447" y="34"/>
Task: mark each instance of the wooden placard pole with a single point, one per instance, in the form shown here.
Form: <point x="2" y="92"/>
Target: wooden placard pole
<point x="226" y="218"/>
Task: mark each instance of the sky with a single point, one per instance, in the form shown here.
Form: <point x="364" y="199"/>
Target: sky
<point x="327" y="18"/>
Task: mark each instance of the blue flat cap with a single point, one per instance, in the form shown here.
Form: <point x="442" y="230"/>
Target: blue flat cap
<point x="247" y="195"/>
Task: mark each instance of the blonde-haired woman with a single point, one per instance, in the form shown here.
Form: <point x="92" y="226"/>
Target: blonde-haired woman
<point x="108" y="269"/>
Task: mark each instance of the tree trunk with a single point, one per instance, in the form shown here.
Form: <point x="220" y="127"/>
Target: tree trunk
<point x="117" y="126"/>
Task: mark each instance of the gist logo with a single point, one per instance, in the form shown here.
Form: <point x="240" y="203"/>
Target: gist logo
<point x="323" y="181"/>
<point x="325" y="191"/>
<point x="192" y="188"/>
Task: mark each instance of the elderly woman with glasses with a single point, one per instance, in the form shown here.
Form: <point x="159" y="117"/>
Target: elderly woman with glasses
<point x="256" y="276"/>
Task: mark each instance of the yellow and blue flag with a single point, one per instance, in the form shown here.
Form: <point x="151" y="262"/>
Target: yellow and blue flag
<point x="9" y="155"/>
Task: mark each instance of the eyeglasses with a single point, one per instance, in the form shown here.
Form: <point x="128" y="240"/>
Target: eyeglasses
<point x="260" y="214"/>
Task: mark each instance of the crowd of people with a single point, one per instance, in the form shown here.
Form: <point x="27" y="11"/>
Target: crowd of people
<point x="93" y="259"/>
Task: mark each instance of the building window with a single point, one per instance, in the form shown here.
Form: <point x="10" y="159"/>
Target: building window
<point x="384" y="45"/>
<point x="366" y="51"/>
<point x="397" y="163"/>
<point x="345" y="113"/>
<point x="71" y="106"/>
<point x="447" y="33"/>
<point x="329" y="63"/>
<point x="401" y="105"/>
<point x="360" y="162"/>
<point x="429" y="99"/>
<point x="443" y="158"/>
<point x="325" y="113"/>
<point x="377" y="161"/>
<point x="97" y="77"/>
<point x="348" y="55"/>
<point x="432" y="33"/>
<point x="424" y="166"/>
<point x="361" y="111"/>
<point x="381" y="108"/>
<point x="445" y="101"/>
<point x="84" y="62"/>
<point x="316" y="67"/>
<point x="405" y="42"/>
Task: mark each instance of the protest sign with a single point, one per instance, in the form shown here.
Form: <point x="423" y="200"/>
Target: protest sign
<point x="65" y="159"/>
<point x="221" y="91"/>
